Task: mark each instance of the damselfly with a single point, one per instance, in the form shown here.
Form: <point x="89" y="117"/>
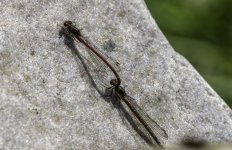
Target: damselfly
<point x="102" y="67"/>
<point x="153" y="129"/>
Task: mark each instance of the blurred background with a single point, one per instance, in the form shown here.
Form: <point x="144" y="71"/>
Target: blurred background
<point x="200" y="30"/>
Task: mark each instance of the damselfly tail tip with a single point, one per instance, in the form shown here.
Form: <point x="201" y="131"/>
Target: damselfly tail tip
<point x="165" y="134"/>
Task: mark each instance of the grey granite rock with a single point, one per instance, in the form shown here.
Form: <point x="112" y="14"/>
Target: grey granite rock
<point x="48" y="102"/>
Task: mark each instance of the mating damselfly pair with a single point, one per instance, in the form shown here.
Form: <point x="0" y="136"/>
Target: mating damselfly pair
<point x="114" y="81"/>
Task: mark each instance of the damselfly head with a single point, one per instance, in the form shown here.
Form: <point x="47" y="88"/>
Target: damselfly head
<point x="113" y="82"/>
<point x="67" y="23"/>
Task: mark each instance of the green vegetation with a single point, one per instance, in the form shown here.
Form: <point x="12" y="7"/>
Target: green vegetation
<point x="200" y="30"/>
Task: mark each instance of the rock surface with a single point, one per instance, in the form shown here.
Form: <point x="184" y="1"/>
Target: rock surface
<point x="48" y="102"/>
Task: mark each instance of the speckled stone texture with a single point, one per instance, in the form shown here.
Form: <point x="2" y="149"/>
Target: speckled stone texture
<point x="48" y="102"/>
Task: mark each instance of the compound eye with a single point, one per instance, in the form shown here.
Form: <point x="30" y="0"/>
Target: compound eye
<point x="67" y="23"/>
